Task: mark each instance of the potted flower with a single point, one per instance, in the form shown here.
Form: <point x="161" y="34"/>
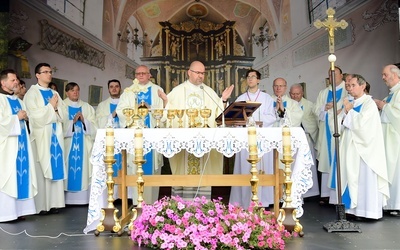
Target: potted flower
<point x="173" y="223"/>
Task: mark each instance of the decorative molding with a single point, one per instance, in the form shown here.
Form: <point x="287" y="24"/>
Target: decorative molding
<point x="197" y="23"/>
<point x="54" y="39"/>
<point x="55" y="17"/>
<point x="387" y="12"/>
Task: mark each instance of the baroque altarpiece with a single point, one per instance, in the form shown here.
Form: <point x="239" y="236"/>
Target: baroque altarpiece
<point x="217" y="45"/>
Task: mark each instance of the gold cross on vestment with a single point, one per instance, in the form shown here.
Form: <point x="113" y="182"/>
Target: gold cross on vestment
<point x="331" y="25"/>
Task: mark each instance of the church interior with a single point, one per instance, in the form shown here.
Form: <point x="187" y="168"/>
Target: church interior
<point x="92" y="41"/>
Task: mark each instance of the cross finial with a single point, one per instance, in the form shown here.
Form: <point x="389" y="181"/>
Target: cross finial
<point x="331" y="25"/>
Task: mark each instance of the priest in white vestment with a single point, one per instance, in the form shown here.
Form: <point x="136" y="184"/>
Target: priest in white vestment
<point x="106" y="116"/>
<point x="364" y="178"/>
<point x="18" y="183"/>
<point x="265" y="114"/>
<point x="194" y="94"/>
<point x="106" y="110"/>
<point x="153" y="96"/>
<point x="326" y="142"/>
<point x="46" y="111"/>
<point x="284" y="106"/>
<point x="309" y="123"/>
<point x="390" y="119"/>
<point x="79" y="131"/>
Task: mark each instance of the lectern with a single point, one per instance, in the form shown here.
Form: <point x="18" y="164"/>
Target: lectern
<point x="236" y="114"/>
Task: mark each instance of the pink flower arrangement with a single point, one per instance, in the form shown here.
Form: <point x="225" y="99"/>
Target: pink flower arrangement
<point x="173" y="223"/>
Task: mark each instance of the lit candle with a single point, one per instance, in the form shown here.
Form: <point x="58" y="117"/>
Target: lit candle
<point x="138" y="138"/>
<point x="286" y="141"/>
<point x="109" y="142"/>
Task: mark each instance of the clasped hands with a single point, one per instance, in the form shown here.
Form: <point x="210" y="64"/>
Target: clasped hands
<point x="78" y="116"/>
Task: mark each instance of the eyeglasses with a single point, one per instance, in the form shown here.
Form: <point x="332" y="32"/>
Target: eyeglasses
<point x="198" y="72"/>
<point x="46" y="72"/>
<point x="141" y="73"/>
<point x="252" y="77"/>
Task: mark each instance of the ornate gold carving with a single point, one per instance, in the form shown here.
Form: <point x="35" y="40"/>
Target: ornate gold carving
<point x="197" y="23"/>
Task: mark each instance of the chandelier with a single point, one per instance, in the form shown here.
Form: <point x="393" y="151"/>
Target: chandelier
<point x="262" y="37"/>
<point x="133" y="37"/>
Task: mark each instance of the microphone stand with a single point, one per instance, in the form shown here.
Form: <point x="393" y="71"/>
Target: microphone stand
<point x="216" y="103"/>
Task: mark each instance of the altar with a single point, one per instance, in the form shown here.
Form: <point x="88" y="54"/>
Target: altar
<point x="198" y="141"/>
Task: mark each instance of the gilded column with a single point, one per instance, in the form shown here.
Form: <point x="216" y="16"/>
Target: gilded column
<point x="167" y="42"/>
<point x="228" y="75"/>
<point x="212" y="47"/>
<point x="167" y="79"/>
<point x="213" y="79"/>
<point x="237" y="83"/>
<point x="182" y="48"/>
<point x="228" y="46"/>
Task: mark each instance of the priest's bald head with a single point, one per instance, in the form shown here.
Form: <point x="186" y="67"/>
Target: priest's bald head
<point x="196" y="73"/>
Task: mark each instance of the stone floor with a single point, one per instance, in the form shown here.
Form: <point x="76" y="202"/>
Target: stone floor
<point x="64" y="231"/>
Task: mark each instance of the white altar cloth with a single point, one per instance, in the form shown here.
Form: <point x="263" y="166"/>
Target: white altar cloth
<point x="198" y="141"/>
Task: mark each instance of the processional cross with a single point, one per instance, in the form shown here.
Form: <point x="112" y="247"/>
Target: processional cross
<point x="331" y="25"/>
<point x="341" y="224"/>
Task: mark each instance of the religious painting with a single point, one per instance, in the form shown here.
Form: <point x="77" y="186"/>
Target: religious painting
<point x="129" y="72"/>
<point x="60" y="84"/>
<point x="327" y="82"/>
<point x="197" y="10"/>
<point x="304" y="85"/>
<point x="95" y="94"/>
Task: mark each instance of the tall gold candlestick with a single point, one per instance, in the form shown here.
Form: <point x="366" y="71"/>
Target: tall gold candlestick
<point x="139" y="161"/>
<point x="253" y="159"/>
<point x="109" y="220"/>
<point x="291" y="223"/>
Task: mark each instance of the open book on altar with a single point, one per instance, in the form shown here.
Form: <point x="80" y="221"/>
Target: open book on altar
<point x="236" y="113"/>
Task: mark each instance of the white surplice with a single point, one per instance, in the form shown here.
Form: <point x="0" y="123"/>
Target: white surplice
<point x="266" y="114"/>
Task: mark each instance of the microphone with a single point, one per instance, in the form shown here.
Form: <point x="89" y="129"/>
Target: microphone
<point x="216" y="103"/>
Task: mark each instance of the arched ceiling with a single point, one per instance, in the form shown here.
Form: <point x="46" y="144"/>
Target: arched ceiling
<point x="148" y="13"/>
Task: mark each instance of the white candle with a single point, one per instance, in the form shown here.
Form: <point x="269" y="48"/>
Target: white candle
<point x="138" y="138"/>
<point x="252" y="140"/>
<point x="109" y="141"/>
<point x="286" y="144"/>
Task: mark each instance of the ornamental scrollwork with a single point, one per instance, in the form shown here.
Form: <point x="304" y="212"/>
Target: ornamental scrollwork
<point x="54" y="39"/>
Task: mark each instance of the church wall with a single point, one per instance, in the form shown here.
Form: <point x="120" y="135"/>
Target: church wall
<point x="66" y="68"/>
<point x="366" y="55"/>
<point x="370" y="51"/>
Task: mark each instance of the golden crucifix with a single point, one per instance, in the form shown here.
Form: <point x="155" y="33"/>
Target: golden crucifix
<point x="331" y="25"/>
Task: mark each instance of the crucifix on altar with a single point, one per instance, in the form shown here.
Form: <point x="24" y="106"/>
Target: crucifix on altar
<point x="341" y="224"/>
